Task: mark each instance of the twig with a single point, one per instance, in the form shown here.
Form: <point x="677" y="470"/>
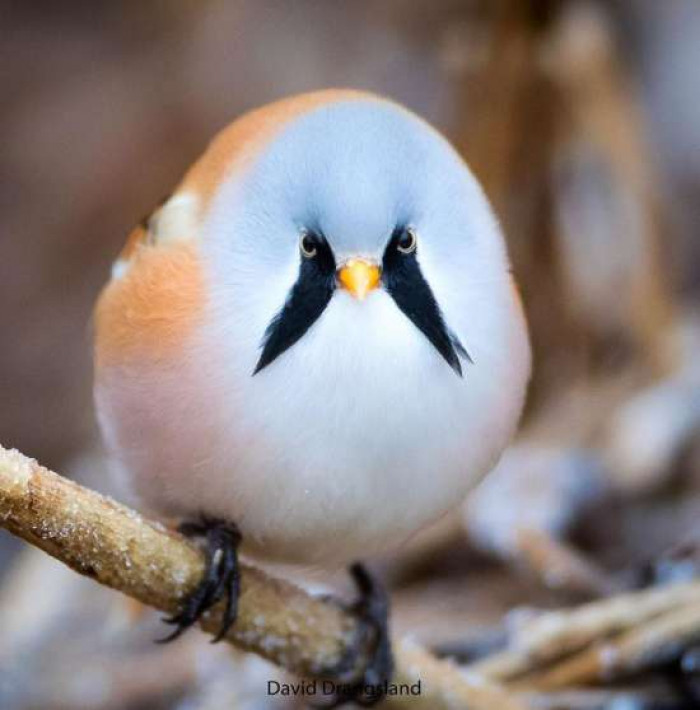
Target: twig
<point x="651" y="644"/>
<point x="554" y="634"/>
<point x="107" y="541"/>
<point x="560" y="566"/>
<point x="460" y="690"/>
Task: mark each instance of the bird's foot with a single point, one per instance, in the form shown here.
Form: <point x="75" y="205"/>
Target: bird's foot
<point x="372" y="612"/>
<point x="221" y="577"/>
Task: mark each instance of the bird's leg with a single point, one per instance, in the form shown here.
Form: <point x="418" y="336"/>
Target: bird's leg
<point x="221" y="576"/>
<point x="372" y="612"/>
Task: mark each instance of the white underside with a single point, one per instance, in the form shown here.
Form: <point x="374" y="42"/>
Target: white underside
<point x="345" y="446"/>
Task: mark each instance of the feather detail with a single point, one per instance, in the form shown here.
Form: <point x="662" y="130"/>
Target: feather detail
<point x="149" y="311"/>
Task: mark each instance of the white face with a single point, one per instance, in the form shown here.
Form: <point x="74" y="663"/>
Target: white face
<point x="366" y="399"/>
<point x="364" y="180"/>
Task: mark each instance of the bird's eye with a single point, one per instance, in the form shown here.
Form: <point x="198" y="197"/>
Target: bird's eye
<point x="408" y="241"/>
<point x="307" y="245"/>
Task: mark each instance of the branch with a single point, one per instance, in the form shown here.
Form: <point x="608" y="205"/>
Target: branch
<point x="559" y="566"/>
<point x="109" y="542"/>
<point x="102" y="539"/>
<point x="653" y="643"/>
<point x="556" y="634"/>
<point x="602" y="640"/>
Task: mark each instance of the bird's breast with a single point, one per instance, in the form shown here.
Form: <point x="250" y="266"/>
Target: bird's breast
<point x="351" y="440"/>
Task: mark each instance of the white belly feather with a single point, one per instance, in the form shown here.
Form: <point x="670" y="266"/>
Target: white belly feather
<point x="364" y="435"/>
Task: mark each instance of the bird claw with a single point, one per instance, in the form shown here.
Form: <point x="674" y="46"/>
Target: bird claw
<point x="221" y="577"/>
<point x="372" y="612"/>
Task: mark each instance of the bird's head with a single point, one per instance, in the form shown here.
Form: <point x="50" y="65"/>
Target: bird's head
<point x="344" y="209"/>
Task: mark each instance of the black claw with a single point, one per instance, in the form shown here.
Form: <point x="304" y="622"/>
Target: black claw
<point x="372" y="611"/>
<point x="231" y="590"/>
<point x="221" y="578"/>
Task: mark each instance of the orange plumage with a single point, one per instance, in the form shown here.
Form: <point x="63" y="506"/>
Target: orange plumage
<point x="150" y="309"/>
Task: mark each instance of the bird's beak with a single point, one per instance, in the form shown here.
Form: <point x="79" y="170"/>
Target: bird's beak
<point x="359" y="277"/>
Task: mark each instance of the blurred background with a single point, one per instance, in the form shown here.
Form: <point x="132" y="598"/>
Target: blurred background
<point x="582" y="121"/>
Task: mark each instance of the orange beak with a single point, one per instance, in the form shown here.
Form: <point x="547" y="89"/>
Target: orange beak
<point x="359" y="277"/>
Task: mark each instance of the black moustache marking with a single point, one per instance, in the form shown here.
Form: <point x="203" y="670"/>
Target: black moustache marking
<point x="405" y="283"/>
<point x="313" y="290"/>
<point x="306" y="302"/>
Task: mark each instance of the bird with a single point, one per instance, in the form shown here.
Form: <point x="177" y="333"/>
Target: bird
<point x="314" y="347"/>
